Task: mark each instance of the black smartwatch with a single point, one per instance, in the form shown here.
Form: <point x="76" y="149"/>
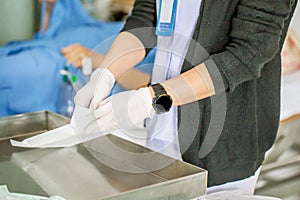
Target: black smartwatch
<point x="162" y="101"/>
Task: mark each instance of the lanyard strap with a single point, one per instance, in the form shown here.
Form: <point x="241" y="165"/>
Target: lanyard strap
<point x="166" y="17"/>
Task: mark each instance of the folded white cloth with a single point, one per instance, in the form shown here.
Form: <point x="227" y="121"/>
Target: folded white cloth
<point x="83" y="127"/>
<point x="5" y="194"/>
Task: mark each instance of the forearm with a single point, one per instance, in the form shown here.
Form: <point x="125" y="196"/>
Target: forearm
<point x="193" y="85"/>
<point x="137" y="37"/>
<point x="74" y="54"/>
<point x="126" y="51"/>
<point x="134" y="79"/>
<point x="48" y="11"/>
<point x="96" y="58"/>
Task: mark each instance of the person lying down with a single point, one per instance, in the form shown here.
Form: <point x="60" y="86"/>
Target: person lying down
<point x="29" y="70"/>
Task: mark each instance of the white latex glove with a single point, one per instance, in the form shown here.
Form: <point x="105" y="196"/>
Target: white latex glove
<point x="97" y="89"/>
<point x="125" y="110"/>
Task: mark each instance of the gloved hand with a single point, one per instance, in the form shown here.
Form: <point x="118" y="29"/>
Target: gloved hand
<point x="97" y="89"/>
<point x="126" y="110"/>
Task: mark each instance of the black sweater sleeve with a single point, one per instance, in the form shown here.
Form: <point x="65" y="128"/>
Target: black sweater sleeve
<point x="257" y="32"/>
<point x="142" y="22"/>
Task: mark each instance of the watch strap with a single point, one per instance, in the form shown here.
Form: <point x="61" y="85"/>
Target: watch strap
<point x="158" y="89"/>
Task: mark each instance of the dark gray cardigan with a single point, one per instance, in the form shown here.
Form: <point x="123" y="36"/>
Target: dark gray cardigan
<point x="229" y="133"/>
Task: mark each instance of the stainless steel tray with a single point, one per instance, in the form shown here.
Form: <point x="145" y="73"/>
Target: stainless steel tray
<point x="108" y="168"/>
<point x="25" y="125"/>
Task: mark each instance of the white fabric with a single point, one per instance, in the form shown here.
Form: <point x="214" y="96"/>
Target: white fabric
<point x="83" y="127"/>
<point x="247" y="185"/>
<point x="235" y="195"/>
<point x="169" y="58"/>
<point x="6" y="195"/>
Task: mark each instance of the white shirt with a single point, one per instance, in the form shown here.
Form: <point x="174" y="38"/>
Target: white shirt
<point x="170" y="54"/>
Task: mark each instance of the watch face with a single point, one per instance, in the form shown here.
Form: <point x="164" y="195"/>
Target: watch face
<point x="162" y="104"/>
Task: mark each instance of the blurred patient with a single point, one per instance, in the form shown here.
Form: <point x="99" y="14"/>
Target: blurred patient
<point x="29" y="70"/>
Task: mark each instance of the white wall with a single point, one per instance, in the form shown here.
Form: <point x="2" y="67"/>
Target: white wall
<point x="16" y="20"/>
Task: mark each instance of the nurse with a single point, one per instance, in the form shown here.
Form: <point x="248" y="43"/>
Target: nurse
<point x="214" y="97"/>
